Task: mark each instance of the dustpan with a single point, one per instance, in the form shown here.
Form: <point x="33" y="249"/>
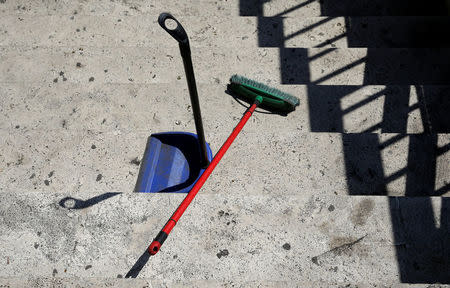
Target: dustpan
<point x="173" y="161"/>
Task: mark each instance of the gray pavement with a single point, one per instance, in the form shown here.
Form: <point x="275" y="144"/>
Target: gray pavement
<point x="303" y="238"/>
<point x="157" y="65"/>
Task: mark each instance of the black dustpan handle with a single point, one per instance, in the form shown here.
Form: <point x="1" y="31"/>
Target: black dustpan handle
<point x="178" y="32"/>
<point x="181" y="36"/>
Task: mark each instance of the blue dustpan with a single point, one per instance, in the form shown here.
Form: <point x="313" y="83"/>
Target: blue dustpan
<point x="171" y="163"/>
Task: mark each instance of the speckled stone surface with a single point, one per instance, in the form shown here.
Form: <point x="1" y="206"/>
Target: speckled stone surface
<point x="350" y="190"/>
<point x="100" y="106"/>
<point x="250" y="238"/>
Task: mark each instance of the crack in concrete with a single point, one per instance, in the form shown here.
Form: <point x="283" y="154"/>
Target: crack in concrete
<point x="337" y="250"/>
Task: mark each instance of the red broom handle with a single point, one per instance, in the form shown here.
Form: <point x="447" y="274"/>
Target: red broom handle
<point x="162" y="235"/>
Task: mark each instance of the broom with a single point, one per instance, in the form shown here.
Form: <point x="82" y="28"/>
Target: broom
<point x="259" y="95"/>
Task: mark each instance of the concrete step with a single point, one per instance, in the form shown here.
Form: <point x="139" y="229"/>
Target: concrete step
<point x="225" y="237"/>
<point x="350" y="66"/>
<point x="294" y="8"/>
<point x="260" y="162"/>
<point x="287" y="32"/>
<point x="286" y="207"/>
<point x="166" y="107"/>
<point x="147" y="282"/>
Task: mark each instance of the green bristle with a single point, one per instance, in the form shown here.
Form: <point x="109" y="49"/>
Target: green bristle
<point x="273" y="92"/>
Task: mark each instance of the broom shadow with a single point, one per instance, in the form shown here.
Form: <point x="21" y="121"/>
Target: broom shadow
<point x="422" y="256"/>
<point x="74" y="203"/>
<point x="137" y="267"/>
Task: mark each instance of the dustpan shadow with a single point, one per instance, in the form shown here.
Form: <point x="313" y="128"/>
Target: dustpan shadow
<point x="189" y="147"/>
<point x="74" y="203"/>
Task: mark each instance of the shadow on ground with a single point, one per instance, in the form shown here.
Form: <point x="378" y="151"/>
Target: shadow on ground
<point x="137" y="267"/>
<point x="74" y="203"/>
<point x="420" y="61"/>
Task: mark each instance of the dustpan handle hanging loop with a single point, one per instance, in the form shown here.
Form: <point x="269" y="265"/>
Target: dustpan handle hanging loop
<point x="177" y="32"/>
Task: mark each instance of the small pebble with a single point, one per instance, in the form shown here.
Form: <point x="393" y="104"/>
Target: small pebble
<point x="287" y="246"/>
<point x="222" y="253"/>
<point x="136" y="161"/>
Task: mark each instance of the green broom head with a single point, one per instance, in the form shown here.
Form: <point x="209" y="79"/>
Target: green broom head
<point x="271" y="99"/>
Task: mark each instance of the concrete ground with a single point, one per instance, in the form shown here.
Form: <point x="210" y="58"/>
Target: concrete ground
<point x="349" y="190"/>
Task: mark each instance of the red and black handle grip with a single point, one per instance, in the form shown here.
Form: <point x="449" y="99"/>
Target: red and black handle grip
<point x="179" y="34"/>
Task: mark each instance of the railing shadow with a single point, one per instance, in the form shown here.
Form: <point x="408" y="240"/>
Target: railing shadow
<point x="74" y="203"/>
<point x="422" y="252"/>
<point x="137" y="267"/>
